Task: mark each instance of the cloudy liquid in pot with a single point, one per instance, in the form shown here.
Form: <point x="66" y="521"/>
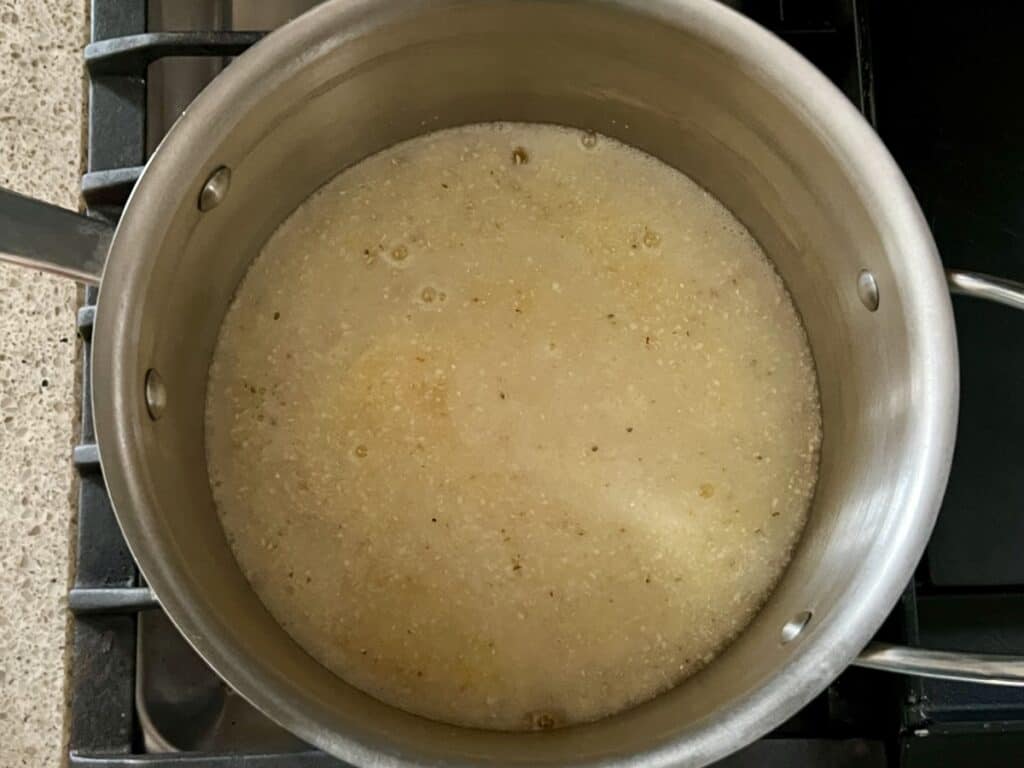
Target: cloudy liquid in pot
<point x="512" y="426"/>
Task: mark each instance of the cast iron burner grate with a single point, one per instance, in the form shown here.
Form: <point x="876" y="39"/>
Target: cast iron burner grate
<point x="969" y="592"/>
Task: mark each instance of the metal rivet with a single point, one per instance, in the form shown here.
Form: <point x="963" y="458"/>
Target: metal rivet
<point x="156" y="394"/>
<point x="867" y="289"/>
<point x="215" y="189"/>
<point x="795" y="626"/>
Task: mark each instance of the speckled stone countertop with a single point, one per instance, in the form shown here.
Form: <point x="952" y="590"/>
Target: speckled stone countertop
<point x="41" y="150"/>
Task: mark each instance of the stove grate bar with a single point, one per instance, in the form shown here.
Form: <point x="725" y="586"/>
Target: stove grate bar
<point x="131" y="54"/>
<point x="86" y="600"/>
<point x="308" y="759"/>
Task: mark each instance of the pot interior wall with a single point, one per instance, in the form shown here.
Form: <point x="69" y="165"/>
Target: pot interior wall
<point x="390" y="75"/>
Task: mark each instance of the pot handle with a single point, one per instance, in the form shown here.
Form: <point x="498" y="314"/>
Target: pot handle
<point x="981" y="286"/>
<point x="38" y="235"/>
<point x="990" y="668"/>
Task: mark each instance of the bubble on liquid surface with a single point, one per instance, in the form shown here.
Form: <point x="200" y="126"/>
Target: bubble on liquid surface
<point x="431" y="296"/>
<point x="544" y="721"/>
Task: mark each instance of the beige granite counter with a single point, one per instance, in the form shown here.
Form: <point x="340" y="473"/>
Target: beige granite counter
<point x="41" y="150"/>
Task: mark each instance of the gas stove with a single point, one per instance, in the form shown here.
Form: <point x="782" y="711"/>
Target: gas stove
<point x="934" y="84"/>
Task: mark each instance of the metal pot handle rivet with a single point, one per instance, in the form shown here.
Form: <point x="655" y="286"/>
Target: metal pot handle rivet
<point x="215" y="189"/>
<point x="867" y="290"/>
<point x="156" y="394"/>
<point x="792" y="629"/>
<point x="994" y="669"/>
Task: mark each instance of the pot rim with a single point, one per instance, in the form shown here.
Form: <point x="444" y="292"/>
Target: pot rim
<point x="931" y="337"/>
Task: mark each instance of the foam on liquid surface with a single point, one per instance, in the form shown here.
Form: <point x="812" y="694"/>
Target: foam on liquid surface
<point x="512" y="426"/>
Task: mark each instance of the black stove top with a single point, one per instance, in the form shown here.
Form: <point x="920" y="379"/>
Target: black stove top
<point x="939" y="85"/>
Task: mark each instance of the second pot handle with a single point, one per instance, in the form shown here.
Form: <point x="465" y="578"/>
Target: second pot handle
<point x="42" y="236"/>
<point x="981" y="286"/>
<point x="988" y="668"/>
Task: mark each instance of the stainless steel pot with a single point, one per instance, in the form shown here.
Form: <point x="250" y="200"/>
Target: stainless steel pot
<point x="687" y="80"/>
